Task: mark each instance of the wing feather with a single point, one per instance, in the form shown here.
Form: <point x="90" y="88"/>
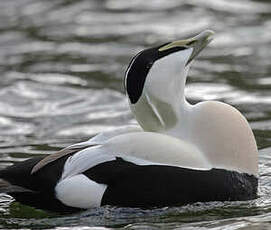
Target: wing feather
<point x="141" y="148"/>
<point x="96" y="140"/>
<point x="53" y="157"/>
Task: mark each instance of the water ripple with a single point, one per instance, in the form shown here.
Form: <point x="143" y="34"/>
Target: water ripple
<point x="62" y="64"/>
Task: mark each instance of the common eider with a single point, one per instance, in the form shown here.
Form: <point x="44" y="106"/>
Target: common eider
<point x="182" y="153"/>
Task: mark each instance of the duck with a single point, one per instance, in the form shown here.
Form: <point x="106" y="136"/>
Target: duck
<point x="178" y="154"/>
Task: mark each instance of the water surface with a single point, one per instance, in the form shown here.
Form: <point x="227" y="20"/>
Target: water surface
<point x="62" y="63"/>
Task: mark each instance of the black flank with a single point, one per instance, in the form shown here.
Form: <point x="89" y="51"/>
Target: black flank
<point x="132" y="185"/>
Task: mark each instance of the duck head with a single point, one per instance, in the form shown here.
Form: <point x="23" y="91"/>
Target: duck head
<point x="155" y="81"/>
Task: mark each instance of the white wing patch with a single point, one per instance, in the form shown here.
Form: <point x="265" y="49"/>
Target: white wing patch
<point x="80" y="192"/>
<point x="84" y="160"/>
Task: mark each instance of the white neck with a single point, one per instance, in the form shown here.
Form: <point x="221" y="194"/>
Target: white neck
<point x="162" y="104"/>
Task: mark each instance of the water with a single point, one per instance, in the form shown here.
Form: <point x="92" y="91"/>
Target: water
<point x="62" y="64"/>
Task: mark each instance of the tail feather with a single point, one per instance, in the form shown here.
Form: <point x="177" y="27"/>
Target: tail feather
<point x="19" y="175"/>
<point x="35" y="189"/>
<point x="6" y="187"/>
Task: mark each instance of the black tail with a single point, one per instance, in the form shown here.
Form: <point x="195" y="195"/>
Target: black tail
<point x="19" y="175"/>
<point x="36" y="189"/>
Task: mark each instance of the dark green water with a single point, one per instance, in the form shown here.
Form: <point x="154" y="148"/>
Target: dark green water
<point x="62" y="64"/>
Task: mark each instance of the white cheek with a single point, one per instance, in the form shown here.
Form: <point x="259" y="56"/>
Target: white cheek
<point x="167" y="73"/>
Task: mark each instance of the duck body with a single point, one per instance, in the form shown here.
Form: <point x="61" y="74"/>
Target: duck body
<point x="97" y="175"/>
<point x="180" y="154"/>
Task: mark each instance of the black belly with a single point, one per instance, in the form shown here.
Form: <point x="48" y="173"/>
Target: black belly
<point x="132" y="185"/>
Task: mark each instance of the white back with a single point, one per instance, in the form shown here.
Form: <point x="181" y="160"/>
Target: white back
<point x="142" y="148"/>
<point x="157" y="148"/>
